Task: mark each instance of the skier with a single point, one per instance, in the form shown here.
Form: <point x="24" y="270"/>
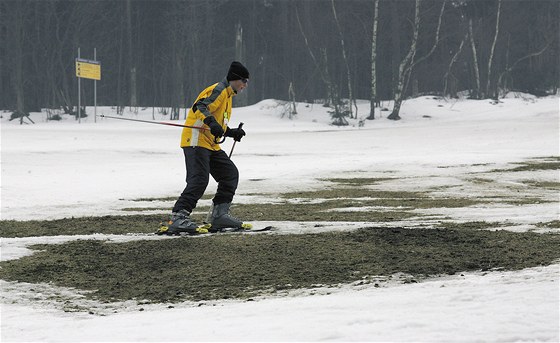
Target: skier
<point x="204" y="157"/>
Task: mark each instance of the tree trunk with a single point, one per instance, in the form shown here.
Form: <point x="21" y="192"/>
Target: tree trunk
<point x="373" y="97"/>
<point x="509" y="69"/>
<point x="395" y="46"/>
<point x="177" y="53"/>
<point x="119" y="69"/>
<point x="323" y="73"/>
<point x="131" y="56"/>
<point x="446" y="90"/>
<point x="405" y="66"/>
<point x="15" y="37"/>
<point x="332" y="91"/>
<point x="493" y="93"/>
<point x="350" y="95"/>
<point x="292" y="99"/>
<point x="477" y="92"/>
<point x="240" y="99"/>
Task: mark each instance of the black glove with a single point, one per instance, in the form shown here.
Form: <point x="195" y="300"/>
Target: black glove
<point x="236" y="134"/>
<point x="215" y="128"/>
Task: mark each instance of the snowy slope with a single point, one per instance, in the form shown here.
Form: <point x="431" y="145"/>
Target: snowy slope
<point x="62" y="169"/>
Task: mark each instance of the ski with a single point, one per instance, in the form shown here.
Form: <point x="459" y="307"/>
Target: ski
<point x="242" y="230"/>
<point x="207" y="229"/>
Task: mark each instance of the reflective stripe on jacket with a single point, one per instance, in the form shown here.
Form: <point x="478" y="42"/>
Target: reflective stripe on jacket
<point x="216" y="101"/>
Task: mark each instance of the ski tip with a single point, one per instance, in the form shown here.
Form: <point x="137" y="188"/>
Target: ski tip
<point x="266" y="228"/>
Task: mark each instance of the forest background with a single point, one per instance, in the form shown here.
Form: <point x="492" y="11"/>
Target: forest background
<point x="162" y="53"/>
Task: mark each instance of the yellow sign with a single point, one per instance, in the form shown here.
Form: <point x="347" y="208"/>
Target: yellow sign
<point x="88" y="69"/>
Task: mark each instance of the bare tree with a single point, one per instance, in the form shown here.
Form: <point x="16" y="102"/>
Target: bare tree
<point x="240" y="99"/>
<point x="131" y="56"/>
<point x="348" y="76"/>
<point x="408" y="63"/>
<point x="321" y="67"/>
<point x="477" y="91"/>
<point x="446" y="89"/>
<point x="491" y="58"/>
<point x="373" y="96"/>
<point x="501" y="82"/>
<point x="15" y="16"/>
<point x="161" y="53"/>
<point x="404" y="66"/>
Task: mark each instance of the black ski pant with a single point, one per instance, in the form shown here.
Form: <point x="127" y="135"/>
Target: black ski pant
<point x="200" y="164"/>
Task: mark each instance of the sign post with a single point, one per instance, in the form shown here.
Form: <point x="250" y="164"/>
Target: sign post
<point x="95" y="88"/>
<point x="79" y="90"/>
<point x="87" y="69"/>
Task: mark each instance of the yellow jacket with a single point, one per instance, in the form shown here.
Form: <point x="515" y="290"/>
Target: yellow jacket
<point x="216" y="101"/>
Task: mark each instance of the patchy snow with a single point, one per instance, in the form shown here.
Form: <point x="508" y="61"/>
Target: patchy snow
<point x="495" y="306"/>
<point x="62" y="169"/>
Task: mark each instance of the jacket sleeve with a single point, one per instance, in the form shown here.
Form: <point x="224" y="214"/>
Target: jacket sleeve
<point x="207" y="105"/>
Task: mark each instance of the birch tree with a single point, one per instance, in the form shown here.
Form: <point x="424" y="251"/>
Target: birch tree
<point x="404" y="66"/>
<point x="501" y="81"/>
<point x="373" y="96"/>
<point x="15" y="16"/>
<point x="240" y="99"/>
<point x="131" y="56"/>
<point x="477" y="91"/>
<point x="477" y="15"/>
<point x="448" y="73"/>
<point x="161" y="53"/>
<point x="348" y="76"/>
<point x="491" y="58"/>
<point x="321" y="67"/>
<point x="408" y="63"/>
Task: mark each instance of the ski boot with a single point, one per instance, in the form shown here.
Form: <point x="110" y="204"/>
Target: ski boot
<point x="181" y="222"/>
<point x="221" y="220"/>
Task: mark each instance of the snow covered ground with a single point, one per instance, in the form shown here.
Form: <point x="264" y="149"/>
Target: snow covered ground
<point x="61" y="169"/>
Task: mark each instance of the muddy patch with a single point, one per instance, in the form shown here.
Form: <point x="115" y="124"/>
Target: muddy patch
<point x="238" y="266"/>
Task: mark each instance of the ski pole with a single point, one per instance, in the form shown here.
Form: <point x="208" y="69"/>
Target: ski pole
<point x="233" y="146"/>
<point x="153" y="122"/>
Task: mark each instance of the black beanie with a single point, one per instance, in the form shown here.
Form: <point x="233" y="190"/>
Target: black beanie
<point x="237" y="71"/>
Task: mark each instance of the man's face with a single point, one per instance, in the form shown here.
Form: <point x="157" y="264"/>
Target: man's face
<point x="239" y="85"/>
